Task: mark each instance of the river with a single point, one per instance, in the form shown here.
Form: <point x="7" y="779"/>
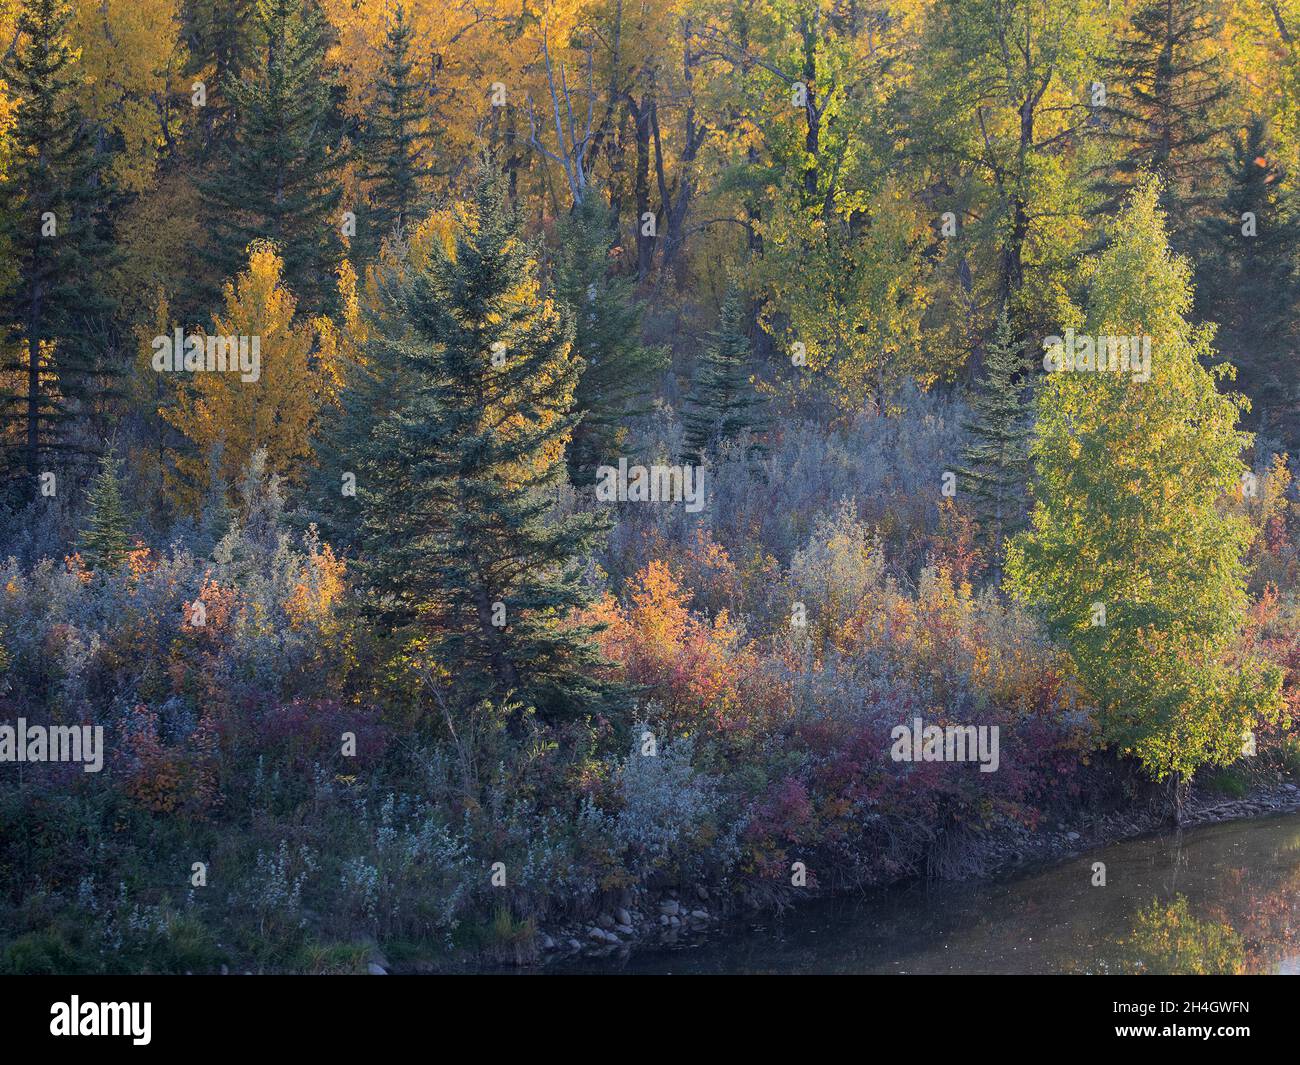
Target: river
<point x="1218" y="899"/>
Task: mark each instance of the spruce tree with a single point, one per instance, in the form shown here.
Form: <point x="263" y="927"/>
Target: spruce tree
<point x="217" y="514"/>
<point x="105" y="542"/>
<point x="216" y="35"/>
<point x="996" y="462"/>
<point x="398" y="170"/>
<point x="55" y="232"/>
<point x="461" y="548"/>
<point x="723" y="404"/>
<point x="372" y="388"/>
<point x="1248" y="283"/>
<point x="618" y="368"/>
<point x="1131" y="558"/>
<point x="1165" y="81"/>
<point x="280" y="181"/>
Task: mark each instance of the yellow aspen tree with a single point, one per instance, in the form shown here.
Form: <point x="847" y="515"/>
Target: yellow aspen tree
<point x="234" y="412"/>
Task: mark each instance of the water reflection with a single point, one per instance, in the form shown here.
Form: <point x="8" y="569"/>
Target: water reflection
<point x="1220" y="899"/>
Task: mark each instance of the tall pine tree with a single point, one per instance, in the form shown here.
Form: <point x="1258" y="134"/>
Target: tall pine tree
<point x="55" y="229"/>
<point x="105" y="542"/>
<point x="995" y="473"/>
<point x="461" y="547"/>
<point x="398" y="168"/>
<point x="723" y="404"/>
<point x="618" y="368"/>
<point x="216" y="35"/>
<point x="280" y="181"/>
<point x="1165" y="83"/>
<point x="1248" y="283"/>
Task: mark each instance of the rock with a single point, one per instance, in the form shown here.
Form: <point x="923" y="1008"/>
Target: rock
<point x="624" y="929"/>
<point x="574" y="945"/>
<point x="548" y="943"/>
<point x="597" y="934"/>
<point x="621" y="916"/>
<point x="699" y="915"/>
<point x="664" y="918"/>
<point x="376" y="970"/>
<point x="702" y="892"/>
<point x="1072" y="835"/>
<point x="674" y="921"/>
<point x="605" y="921"/>
<point x="670" y="907"/>
<point x="225" y="971"/>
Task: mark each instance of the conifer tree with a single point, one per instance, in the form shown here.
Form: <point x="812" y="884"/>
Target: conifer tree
<point x="618" y="368"/>
<point x="399" y="169"/>
<point x="996" y="469"/>
<point x="280" y="183"/>
<point x="105" y="542"/>
<point x="54" y="203"/>
<point x="1165" y="82"/>
<point x="1130" y="557"/>
<point x="461" y="548"/>
<point x="216" y="35"/>
<point x="1248" y="283"/>
<point x="722" y="404"/>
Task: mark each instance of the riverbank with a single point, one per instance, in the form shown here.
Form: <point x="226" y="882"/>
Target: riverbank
<point x="647" y="919"/>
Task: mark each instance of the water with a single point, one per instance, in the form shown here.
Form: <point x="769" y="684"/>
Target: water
<point x="1219" y="899"/>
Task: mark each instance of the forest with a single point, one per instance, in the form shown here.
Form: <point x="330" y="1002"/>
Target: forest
<point x="484" y="481"/>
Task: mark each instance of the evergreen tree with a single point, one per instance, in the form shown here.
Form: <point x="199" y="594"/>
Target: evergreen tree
<point x="996" y="470"/>
<point x="1249" y="285"/>
<point x="618" y="369"/>
<point x="1130" y="557"/>
<point x="1165" y="82"/>
<point x="398" y="171"/>
<point x="216" y="35"/>
<point x="217" y="515"/>
<point x="55" y="232"/>
<point x="722" y="404"/>
<point x="372" y="387"/>
<point x="461" y="547"/>
<point x="105" y="542"/>
<point x="280" y="180"/>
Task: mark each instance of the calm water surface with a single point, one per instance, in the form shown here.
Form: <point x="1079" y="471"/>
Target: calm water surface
<point x="1219" y="899"/>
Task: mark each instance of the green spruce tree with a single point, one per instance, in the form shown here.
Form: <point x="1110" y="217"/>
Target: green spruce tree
<point x="398" y="170"/>
<point x="280" y="181"/>
<point x="1163" y="88"/>
<point x="995" y="473"/>
<point x="105" y="542"/>
<point x="461" y="547"/>
<point x="216" y="35"/>
<point x="372" y="389"/>
<point x="55" y="232"/>
<point x="723" y="404"/>
<point x="618" y="368"/>
<point x="1249" y="285"/>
